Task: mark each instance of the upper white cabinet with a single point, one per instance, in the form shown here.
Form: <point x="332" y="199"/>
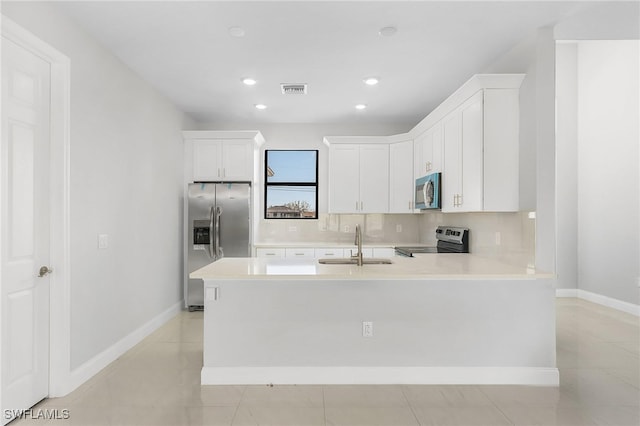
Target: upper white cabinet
<point x="472" y="138"/>
<point x="401" y="179"/>
<point x="358" y="178"/>
<point x="462" y="181"/>
<point x="429" y="151"/>
<point x="481" y="153"/>
<point x="221" y="156"/>
<point x="222" y="160"/>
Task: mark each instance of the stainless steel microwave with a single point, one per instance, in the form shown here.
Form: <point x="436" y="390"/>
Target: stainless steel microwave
<point x="428" y="192"/>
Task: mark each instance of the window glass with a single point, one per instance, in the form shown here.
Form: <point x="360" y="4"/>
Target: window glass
<point x="291" y="184"/>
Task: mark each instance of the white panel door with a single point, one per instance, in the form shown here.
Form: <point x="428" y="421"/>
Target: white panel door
<point x="344" y="178"/>
<point x="374" y="178"/>
<point x="401" y="182"/>
<point x="237" y="161"/>
<point x="207" y="160"/>
<point x="472" y="153"/>
<point x="452" y="173"/>
<point x="24" y="243"/>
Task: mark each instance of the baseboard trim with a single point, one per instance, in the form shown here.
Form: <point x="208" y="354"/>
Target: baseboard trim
<point x="92" y="367"/>
<point x="609" y="302"/>
<point x="380" y="375"/>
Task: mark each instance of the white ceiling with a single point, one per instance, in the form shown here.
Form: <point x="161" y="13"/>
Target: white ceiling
<point x="185" y="51"/>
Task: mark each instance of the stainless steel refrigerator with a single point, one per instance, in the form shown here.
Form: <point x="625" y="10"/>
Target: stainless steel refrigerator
<point x="219" y="225"/>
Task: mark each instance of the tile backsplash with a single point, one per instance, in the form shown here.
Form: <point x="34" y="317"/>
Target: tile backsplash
<point x="340" y="228"/>
<point x="509" y="237"/>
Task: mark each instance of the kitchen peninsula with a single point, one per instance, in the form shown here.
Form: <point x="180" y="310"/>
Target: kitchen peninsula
<point x="431" y="319"/>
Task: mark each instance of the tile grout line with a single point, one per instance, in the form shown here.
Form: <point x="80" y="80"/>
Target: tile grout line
<point x="415" y="416"/>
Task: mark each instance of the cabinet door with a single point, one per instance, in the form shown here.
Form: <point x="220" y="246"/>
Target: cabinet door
<point x="472" y="155"/>
<point x="344" y="178"/>
<point x="401" y="182"/>
<point x="207" y="160"/>
<point x="452" y="172"/>
<point x="237" y="160"/>
<point x="276" y="253"/>
<point x="436" y="148"/>
<point x="300" y="253"/>
<point x="374" y="178"/>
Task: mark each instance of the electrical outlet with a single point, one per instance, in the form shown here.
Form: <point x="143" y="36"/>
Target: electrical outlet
<point x="398" y="228"/>
<point x="367" y="329"/>
<point x="103" y="241"/>
<point x="293" y="229"/>
<point x="498" y="238"/>
<point x="346" y="228"/>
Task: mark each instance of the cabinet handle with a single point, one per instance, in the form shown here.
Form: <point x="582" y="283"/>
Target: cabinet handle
<point x="356" y="205"/>
<point x="409" y="205"/>
<point x="224" y="172"/>
<point x="361" y="206"/>
<point x="218" y="171"/>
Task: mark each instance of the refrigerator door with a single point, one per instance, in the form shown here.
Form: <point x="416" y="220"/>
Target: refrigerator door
<point x="233" y="220"/>
<point x="200" y="236"/>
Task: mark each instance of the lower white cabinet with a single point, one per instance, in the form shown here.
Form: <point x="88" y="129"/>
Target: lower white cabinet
<point x="275" y="253"/>
<point x="321" y="252"/>
<point x="299" y="253"/>
<point x="329" y="252"/>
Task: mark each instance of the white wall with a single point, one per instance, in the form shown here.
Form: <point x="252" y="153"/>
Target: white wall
<point x="126" y="171"/>
<point x="567" y="157"/>
<point x="608" y="78"/>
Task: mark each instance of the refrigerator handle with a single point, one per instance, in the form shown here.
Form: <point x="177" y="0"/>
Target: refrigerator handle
<point x="219" y="253"/>
<point x="211" y="231"/>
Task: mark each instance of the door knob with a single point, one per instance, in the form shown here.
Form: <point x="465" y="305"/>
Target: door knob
<point x="44" y="270"/>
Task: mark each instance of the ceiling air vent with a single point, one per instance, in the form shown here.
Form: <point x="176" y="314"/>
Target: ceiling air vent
<point x="293" y="89"/>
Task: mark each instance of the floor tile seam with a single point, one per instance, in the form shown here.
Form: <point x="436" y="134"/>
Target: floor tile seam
<point x="235" y="412"/>
<point x="413" y="411"/>
<point x="324" y="406"/>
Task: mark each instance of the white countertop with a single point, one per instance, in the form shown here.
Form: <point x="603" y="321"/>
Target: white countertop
<point x="422" y="266"/>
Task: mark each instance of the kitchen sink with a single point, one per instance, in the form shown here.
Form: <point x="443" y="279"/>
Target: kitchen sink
<point x="349" y="261"/>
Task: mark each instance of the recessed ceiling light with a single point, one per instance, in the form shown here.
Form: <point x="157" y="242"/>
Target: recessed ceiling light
<point x="361" y="106"/>
<point x="249" y="81"/>
<point x="236" y="31"/>
<point x="371" y="81"/>
<point x="260" y="106"/>
<point x="388" y="31"/>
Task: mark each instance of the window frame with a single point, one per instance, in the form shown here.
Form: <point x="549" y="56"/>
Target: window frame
<point x="268" y="184"/>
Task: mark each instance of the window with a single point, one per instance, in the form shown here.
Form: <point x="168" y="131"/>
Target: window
<point x="291" y="184"/>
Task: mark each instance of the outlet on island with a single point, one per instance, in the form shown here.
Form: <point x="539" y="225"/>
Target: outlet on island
<point x="367" y="329"/>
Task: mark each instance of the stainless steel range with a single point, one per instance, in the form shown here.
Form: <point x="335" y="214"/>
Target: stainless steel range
<point x="450" y="240"/>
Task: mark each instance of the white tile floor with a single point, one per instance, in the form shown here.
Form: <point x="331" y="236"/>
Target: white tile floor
<point x="157" y="383"/>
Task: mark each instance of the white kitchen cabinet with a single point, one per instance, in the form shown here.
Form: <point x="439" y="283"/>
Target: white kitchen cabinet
<point x="329" y="252"/>
<point x="462" y="180"/>
<point x="274" y="253"/>
<point x="359" y="178"/>
<point x="219" y="156"/>
<point x="481" y="153"/>
<point x="401" y="179"/>
<point x="429" y="151"/>
<point x="222" y="160"/>
<point x="299" y="253"/>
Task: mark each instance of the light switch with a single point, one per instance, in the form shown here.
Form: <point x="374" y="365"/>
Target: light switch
<point x="103" y="241"/>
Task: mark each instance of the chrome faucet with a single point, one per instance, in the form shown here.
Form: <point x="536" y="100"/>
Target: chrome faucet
<point x="358" y="242"/>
